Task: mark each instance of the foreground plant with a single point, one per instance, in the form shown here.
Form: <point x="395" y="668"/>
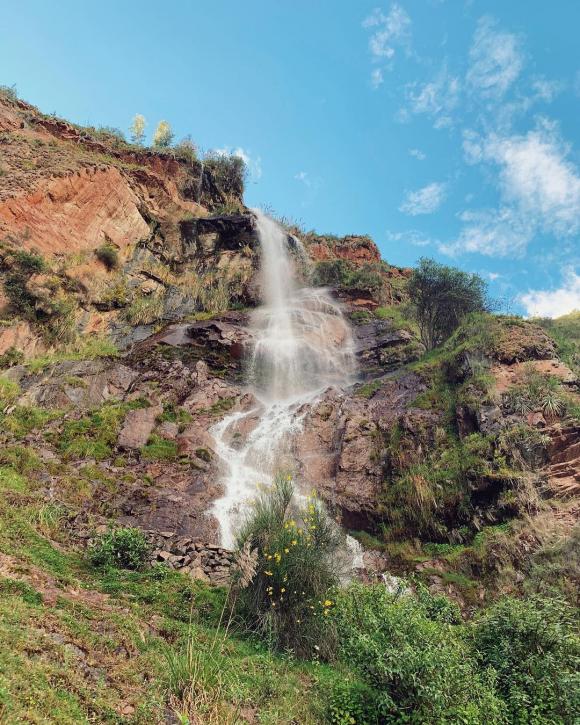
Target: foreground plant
<point x="298" y="563"/>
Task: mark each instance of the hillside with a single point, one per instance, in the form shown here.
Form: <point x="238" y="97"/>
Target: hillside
<point x="128" y="282"/>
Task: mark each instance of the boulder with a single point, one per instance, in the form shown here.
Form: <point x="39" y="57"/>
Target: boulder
<point x="137" y="427"/>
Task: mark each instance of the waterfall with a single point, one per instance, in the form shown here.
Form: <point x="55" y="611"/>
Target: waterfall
<point x="302" y="345"/>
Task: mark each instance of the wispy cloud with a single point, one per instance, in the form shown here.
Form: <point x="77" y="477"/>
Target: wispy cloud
<point x="437" y="98"/>
<point x="496" y="60"/>
<point x="387" y="33"/>
<point x="556" y="302"/>
<point x="411" y="236"/>
<point x="495" y="233"/>
<point x="546" y="90"/>
<point x="377" y="77"/>
<point x="303" y="177"/>
<point x="417" y="154"/>
<point x="535" y="175"/>
<point x="253" y="163"/>
<point x="539" y="191"/>
<point x="425" y="200"/>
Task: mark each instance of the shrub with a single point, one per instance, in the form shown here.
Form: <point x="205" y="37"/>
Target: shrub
<point x="344" y="274"/>
<point x="11" y="357"/>
<point x="298" y="545"/>
<point x="24" y="264"/>
<point x="532" y="647"/>
<point x="125" y="548"/>
<point x="108" y="254"/>
<point x="442" y="296"/>
<point x="228" y="171"/>
<point x="186" y="150"/>
<point x="351" y="702"/>
<point x="422" y="671"/>
<point x="9" y="392"/>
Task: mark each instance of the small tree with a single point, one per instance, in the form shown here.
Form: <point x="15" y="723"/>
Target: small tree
<point x="163" y="136"/>
<point x="441" y="297"/>
<point x="137" y="129"/>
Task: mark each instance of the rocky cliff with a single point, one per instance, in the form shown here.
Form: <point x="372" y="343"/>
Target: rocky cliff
<point x="127" y="275"/>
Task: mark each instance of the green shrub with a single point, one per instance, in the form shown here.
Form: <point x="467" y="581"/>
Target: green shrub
<point x="23" y="265"/>
<point x="421" y="670"/>
<point x="287" y="600"/>
<point x="11" y="357"/>
<point x="229" y="172"/>
<point x="108" y="254"/>
<point x="351" y="703"/>
<point x="120" y="548"/>
<point x="533" y="647"/>
<point x="344" y="274"/>
<point x="9" y="392"/>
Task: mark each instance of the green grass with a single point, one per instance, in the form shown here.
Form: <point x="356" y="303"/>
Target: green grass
<point x="367" y="390"/>
<point x="159" y="449"/>
<point x="87" y="348"/>
<point x="95" y="434"/>
<point x="100" y="642"/>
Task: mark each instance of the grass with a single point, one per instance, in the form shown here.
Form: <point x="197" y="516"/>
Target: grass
<point x="159" y="449"/>
<point x="88" y="348"/>
<point x="367" y="390"/>
<point x="80" y="645"/>
<point x="94" y="435"/>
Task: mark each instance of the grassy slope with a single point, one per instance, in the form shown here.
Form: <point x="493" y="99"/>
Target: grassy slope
<point x="80" y="645"/>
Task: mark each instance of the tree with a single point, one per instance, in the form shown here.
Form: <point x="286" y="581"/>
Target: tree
<point x="441" y="297"/>
<point x="163" y="136"/>
<point x="137" y="129"/>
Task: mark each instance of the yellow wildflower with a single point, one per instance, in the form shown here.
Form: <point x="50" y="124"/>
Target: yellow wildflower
<point x="328" y="603"/>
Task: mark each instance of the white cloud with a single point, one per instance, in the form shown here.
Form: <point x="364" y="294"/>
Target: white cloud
<point x="539" y="192"/>
<point x="546" y="90"/>
<point x="389" y="31"/>
<point x="493" y="276"/>
<point x="537" y="177"/>
<point x="495" y="233"/>
<point x="417" y="154"/>
<point x="253" y="163"/>
<point x="425" y="200"/>
<point x="496" y="60"/>
<point x="553" y="303"/>
<point x="303" y="177"/>
<point x="377" y="77"/>
<point x="412" y="236"/>
<point x="437" y="98"/>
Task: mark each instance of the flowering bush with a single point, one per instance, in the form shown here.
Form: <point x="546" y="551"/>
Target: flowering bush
<point x="298" y="547"/>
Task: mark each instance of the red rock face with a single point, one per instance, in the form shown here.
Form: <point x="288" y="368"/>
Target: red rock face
<point x="355" y="249"/>
<point x="75" y="213"/>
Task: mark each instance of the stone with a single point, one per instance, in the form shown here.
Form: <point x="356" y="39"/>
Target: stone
<point x="137" y="427"/>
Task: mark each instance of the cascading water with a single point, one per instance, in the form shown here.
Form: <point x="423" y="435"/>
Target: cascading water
<point x="302" y="345"/>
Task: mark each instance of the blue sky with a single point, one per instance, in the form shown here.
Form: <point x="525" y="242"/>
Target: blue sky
<point x="444" y="128"/>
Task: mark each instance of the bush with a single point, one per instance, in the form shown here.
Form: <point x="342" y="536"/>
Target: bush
<point x="186" y="150"/>
<point x="11" y="357"/>
<point x="344" y="274"/>
<point x="422" y="671"/>
<point x="228" y="171"/>
<point x="442" y="296"/>
<point x="532" y="647"/>
<point x="121" y="548"/>
<point x="287" y="600"/>
<point x="108" y="254"/>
